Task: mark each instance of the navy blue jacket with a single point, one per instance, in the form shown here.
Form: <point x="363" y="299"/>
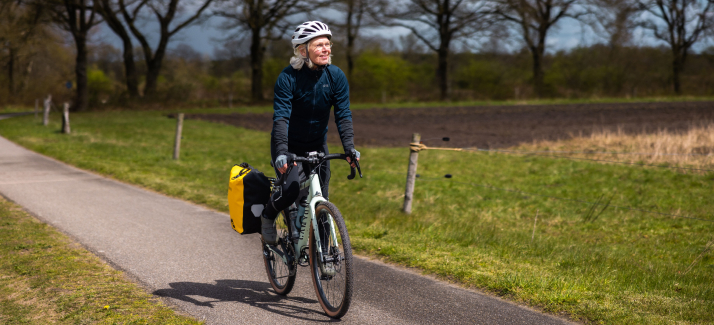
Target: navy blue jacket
<point x="302" y="103"/>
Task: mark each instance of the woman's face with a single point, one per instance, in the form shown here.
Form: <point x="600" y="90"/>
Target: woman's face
<point x="319" y="50"/>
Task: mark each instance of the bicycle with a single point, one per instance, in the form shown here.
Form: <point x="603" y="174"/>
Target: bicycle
<point x="323" y="244"/>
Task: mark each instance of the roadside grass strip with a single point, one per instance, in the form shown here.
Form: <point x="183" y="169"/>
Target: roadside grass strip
<point x="595" y="265"/>
<point x="45" y="278"/>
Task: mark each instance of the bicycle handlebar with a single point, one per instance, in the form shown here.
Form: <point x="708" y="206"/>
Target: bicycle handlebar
<point x="317" y="160"/>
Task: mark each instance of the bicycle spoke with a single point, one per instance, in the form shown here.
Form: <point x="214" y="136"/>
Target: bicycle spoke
<point x="332" y="276"/>
<point x="279" y="273"/>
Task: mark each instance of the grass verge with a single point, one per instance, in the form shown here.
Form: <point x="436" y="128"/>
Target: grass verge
<point x="357" y="106"/>
<point x="595" y="264"/>
<point x="45" y="278"/>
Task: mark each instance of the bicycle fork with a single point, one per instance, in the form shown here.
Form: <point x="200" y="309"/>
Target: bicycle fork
<point x="314" y="198"/>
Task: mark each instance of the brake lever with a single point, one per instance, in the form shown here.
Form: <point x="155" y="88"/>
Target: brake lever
<point x="352" y="169"/>
<point x="358" y="168"/>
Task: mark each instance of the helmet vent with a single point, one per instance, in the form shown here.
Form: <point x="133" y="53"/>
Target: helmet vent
<point x="309" y="30"/>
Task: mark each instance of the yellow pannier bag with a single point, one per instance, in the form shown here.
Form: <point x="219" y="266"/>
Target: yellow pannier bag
<point x="248" y="192"/>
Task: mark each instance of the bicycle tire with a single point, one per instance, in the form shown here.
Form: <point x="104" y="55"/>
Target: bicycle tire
<point x="279" y="273"/>
<point x="334" y="291"/>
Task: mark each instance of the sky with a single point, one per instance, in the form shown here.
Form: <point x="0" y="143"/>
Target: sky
<point x="566" y="35"/>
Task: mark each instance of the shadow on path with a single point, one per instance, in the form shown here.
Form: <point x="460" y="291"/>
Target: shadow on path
<point x="253" y="293"/>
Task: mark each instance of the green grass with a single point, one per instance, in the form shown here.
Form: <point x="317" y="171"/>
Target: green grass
<point x="46" y="278"/>
<point x="614" y="267"/>
<point x="553" y="101"/>
<point x="357" y="106"/>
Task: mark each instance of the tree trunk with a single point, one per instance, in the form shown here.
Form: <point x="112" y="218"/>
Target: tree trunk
<point x="350" y="64"/>
<point x="11" y="72"/>
<point x="153" y="67"/>
<point x="256" y="66"/>
<point x="80" y="70"/>
<point x="442" y="72"/>
<point x="132" y="80"/>
<point x="350" y="54"/>
<point x="675" y="78"/>
<point x="537" y="72"/>
<point x="677" y="67"/>
<point x="112" y="20"/>
<point x="350" y="40"/>
<point x="152" y="75"/>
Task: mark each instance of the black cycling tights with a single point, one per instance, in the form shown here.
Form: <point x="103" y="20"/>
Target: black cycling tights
<point x="289" y="192"/>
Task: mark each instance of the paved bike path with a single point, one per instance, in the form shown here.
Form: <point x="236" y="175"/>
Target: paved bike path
<point x="191" y="256"/>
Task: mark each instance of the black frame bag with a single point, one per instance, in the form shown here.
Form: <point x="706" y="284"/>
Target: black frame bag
<point x="248" y="193"/>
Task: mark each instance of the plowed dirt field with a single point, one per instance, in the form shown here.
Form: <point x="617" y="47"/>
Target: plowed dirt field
<point x="499" y="126"/>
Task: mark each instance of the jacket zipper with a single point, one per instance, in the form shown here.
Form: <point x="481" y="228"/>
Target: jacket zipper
<point x="314" y="95"/>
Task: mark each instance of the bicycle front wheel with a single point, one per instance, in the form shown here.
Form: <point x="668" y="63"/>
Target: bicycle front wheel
<point x="280" y="274"/>
<point x="332" y="275"/>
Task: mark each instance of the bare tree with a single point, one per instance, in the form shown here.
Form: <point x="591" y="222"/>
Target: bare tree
<point x="77" y="17"/>
<point x="355" y="17"/>
<point x="165" y="12"/>
<point x="264" y="20"/>
<point x="20" y="25"/>
<point x="111" y="12"/>
<point x="614" y="19"/>
<point x="680" y="23"/>
<point x="534" y="19"/>
<point x="437" y="23"/>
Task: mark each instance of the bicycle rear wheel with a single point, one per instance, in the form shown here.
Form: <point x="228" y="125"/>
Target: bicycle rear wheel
<point x="332" y="276"/>
<point x="280" y="274"/>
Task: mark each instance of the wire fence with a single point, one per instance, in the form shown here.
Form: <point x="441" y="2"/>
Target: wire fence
<point x="416" y="147"/>
<point x="600" y="152"/>
<point x="588" y="152"/>
<point x="594" y="204"/>
<point x="619" y="162"/>
<point x="421" y="146"/>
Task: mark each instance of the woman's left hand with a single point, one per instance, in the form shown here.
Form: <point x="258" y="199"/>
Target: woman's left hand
<point x="349" y="160"/>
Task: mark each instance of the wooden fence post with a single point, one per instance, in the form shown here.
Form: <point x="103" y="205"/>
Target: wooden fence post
<point x="65" y="119"/>
<point x="177" y="142"/>
<point x="46" y="113"/>
<point x="411" y="175"/>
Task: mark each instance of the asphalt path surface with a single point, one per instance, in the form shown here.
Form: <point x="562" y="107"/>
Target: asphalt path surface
<point x="190" y="256"/>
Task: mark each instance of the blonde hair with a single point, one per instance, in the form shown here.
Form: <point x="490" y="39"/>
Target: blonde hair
<point x="298" y="60"/>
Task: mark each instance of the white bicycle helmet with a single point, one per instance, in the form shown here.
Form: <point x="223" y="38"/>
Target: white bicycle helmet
<point x="309" y="30"/>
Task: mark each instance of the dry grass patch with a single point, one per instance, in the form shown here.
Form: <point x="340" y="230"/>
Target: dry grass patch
<point x="692" y="148"/>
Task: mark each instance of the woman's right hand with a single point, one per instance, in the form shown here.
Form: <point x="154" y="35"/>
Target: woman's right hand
<point x="282" y="161"/>
<point x="283" y="169"/>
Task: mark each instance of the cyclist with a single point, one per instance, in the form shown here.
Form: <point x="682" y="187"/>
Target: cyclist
<point x="304" y="93"/>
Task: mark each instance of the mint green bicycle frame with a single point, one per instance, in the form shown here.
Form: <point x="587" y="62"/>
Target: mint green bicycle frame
<point x="314" y="198"/>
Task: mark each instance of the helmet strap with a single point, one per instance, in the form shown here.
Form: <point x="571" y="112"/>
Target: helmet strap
<point x="313" y="65"/>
